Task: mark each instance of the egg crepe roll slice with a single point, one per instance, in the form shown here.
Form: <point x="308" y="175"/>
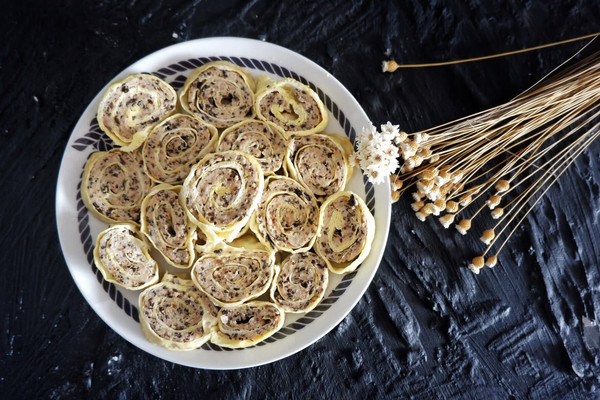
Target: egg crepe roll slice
<point x="346" y="232"/>
<point x="287" y="216"/>
<point x="176" y="315"/>
<point x="174" y="145"/>
<point x="263" y="140"/>
<point x="291" y="105"/>
<point x="320" y="162"/>
<point x="219" y="93"/>
<point x="300" y="282"/>
<point x="222" y="191"/>
<point x="114" y="185"/>
<point x="247" y="324"/>
<point x="231" y="276"/>
<point x="122" y="256"/>
<point x="132" y="106"/>
<point x="166" y="224"/>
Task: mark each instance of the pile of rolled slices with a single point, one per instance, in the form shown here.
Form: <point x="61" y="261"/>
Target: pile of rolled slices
<point x="225" y="203"/>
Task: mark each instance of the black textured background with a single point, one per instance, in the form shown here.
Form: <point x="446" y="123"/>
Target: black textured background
<point x="427" y="327"/>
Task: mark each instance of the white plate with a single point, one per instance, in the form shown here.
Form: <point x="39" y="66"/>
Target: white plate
<point x="78" y="229"/>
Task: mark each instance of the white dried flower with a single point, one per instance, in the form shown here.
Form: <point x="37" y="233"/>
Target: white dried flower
<point x="377" y="154"/>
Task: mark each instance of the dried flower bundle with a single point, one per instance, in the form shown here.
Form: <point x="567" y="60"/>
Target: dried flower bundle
<point x="502" y="160"/>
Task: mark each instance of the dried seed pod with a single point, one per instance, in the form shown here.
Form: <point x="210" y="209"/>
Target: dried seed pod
<point x="465" y="199"/>
<point x="417" y="205"/>
<point x="396" y="182"/>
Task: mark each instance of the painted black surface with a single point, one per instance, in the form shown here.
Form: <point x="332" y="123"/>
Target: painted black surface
<point x="427" y="327"/>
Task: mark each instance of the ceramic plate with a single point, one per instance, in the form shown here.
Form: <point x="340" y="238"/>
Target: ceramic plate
<point x="78" y="229"/>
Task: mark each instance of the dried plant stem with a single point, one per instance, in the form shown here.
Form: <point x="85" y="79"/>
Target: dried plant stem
<point x="549" y="180"/>
<point x="522" y="147"/>
<point x="391" y="66"/>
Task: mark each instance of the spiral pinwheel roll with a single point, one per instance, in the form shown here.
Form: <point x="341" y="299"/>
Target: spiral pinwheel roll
<point x="294" y="107"/>
<point x="220" y="93"/>
<point x="261" y="139"/>
<point x="132" y="106"/>
<point x="114" y="184"/>
<point x="176" y="315"/>
<point x="222" y="191"/>
<point x="300" y="283"/>
<point x="320" y="162"/>
<point x="166" y="224"/>
<point x="247" y="324"/>
<point x="174" y="145"/>
<point x="231" y="276"/>
<point x="346" y="232"/>
<point x="287" y="216"/>
<point x="121" y="255"/>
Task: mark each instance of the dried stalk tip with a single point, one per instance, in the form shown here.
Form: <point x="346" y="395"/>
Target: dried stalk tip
<point x="465" y="199"/>
<point x="451" y="206"/>
<point x="418" y="196"/>
<point x="395" y="196"/>
<point x="429" y="174"/>
<point x="497" y="213"/>
<point x="396" y="182"/>
<point x="424" y="185"/>
<point x="491" y="261"/>
<point x="447" y="220"/>
<point x="402" y="136"/>
<point x="440" y="204"/>
<point x="431" y="208"/>
<point x="417" y="205"/>
<point x="442" y="178"/>
<point x="421" y="216"/>
<point x="487" y="236"/>
<point x="463" y="226"/>
<point x="502" y="186"/>
<point x="494" y="201"/>
<point x="476" y="264"/>
<point x="389" y="66"/>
